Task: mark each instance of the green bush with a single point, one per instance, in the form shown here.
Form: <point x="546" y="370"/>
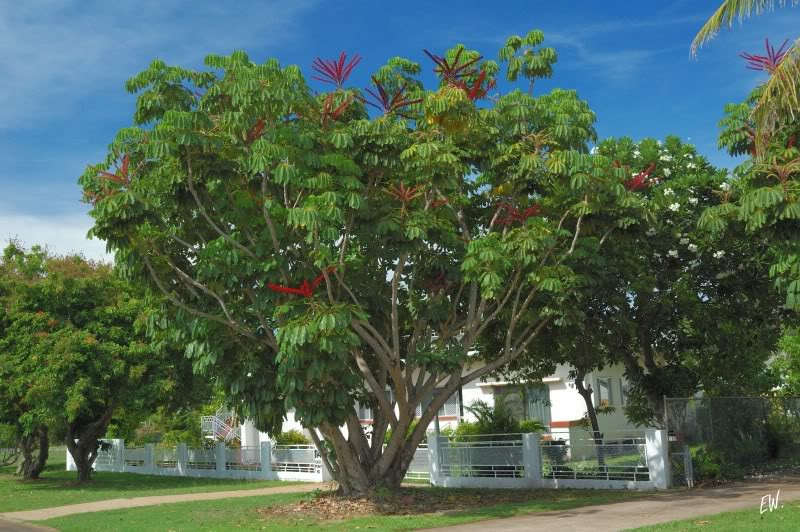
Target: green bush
<point x="711" y="464"/>
<point x="527" y="426"/>
<point x="291" y="437"/>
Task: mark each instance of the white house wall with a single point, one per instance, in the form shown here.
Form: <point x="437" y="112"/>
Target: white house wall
<point x="567" y="406"/>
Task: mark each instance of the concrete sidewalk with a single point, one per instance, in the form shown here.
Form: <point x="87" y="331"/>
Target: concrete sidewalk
<point x="134" y="502"/>
<point x="648" y="511"/>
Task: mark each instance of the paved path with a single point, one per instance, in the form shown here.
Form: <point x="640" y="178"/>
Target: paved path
<point x="648" y="511"/>
<point x="134" y="502"/>
<point x="7" y="525"/>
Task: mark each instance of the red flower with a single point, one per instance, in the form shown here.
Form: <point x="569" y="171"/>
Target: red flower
<point x="641" y="180"/>
<point x="405" y="194"/>
<point x="514" y="215"/>
<point x="767" y="62"/>
<point x="306" y="289"/>
<point x="256" y="132"/>
<point x="390" y="103"/>
<point x="335" y="72"/>
<point x="477" y="90"/>
<point x="121" y="178"/>
<point x="328" y="113"/>
<point x="452" y="72"/>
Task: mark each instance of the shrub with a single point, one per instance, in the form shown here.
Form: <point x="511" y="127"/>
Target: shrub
<point x="291" y="437"/>
<point x="531" y="425"/>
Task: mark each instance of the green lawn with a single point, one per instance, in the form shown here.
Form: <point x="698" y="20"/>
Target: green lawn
<point x="58" y="487"/>
<point x="244" y="513"/>
<point x="785" y="517"/>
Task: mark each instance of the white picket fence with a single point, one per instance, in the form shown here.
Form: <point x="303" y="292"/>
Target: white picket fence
<point x="266" y="462"/>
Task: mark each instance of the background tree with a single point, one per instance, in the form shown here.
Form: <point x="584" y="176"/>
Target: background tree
<point x="76" y="351"/>
<point x="318" y="256"/>
<point x="19" y="362"/>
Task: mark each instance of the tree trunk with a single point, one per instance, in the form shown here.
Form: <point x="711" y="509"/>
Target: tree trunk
<point x="35" y="448"/>
<point x="586" y="393"/>
<point x="83" y="452"/>
<point x="362" y="471"/>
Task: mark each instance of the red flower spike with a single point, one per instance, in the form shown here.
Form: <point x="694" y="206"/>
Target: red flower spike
<point x="335" y="72"/>
<point x="791" y="142"/>
<point x="405" y="194"/>
<point x="452" y="72"/>
<point x="305" y="289"/>
<point x="767" y="62"/>
<point x="437" y="284"/>
<point x="121" y="178"/>
<point x="514" y="215"/>
<point x="392" y="104"/>
<point x="477" y="90"/>
<point x="333" y="114"/>
<point x="641" y="180"/>
<point x="255" y="133"/>
<point x="439" y="203"/>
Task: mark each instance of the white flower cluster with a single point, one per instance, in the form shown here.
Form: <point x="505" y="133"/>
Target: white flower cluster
<point x="666" y="172"/>
<point x="651" y="232"/>
<point x="666" y="157"/>
<point x="719" y="254"/>
<point x="669" y="192"/>
<point x="725" y="186"/>
<point x="674" y="207"/>
<point x="692" y="248"/>
<point x="691" y="166"/>
<point x="673" y="253"/>
<point x="693" y="201"/>
<point x="694" y="264"/>
<point x="684" y="241"/>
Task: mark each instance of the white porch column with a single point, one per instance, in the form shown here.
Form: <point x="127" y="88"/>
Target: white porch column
<point x="532" y="459"/>
<point x="657" y="457"/>
<point x="250" y="437"/>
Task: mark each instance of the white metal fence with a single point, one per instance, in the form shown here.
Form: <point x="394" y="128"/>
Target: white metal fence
<point x="494" y="461"/>
<point x="530" y="461"/>
<point x="297" y="462"/>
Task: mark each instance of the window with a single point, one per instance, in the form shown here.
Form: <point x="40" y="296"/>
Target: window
<point x="624" y="392"/>
<point x="602" y="392"/>
<point x="528" y="402"/>
<point x="365" y="411"/>
<point x="451" y="407"/>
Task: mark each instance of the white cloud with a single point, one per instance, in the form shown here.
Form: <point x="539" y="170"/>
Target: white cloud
<point x="56" y="52"/>
<point x="61" y="234"/>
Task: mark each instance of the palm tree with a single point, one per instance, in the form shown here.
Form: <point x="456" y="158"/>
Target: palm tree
<point x="779" y="98"/>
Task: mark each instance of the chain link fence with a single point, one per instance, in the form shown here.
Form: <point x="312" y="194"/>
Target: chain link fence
<point x="728" y="437"/>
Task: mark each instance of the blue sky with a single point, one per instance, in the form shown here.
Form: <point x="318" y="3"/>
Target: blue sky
<point x="64" y="63"/>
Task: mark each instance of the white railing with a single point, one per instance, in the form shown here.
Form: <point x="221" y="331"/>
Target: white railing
<point x="243" y="459"/>
<point x="298" y="462"/>
<point x="201" y="459"/>
<point x="601" y="459"/>
<point x="498" y="455"/>
<point x="216" y="428"/>
<point x="527" y="461"/>
<point x="420" y="467"/>
<point x="295" y="458"/>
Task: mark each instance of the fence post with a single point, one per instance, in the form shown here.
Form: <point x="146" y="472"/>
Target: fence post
<point x="70" y="462"/>
<point x="119" y="459"/>
<point x="433" y="459"/>
<point x="266" y="460"/>
<point x="182" y="457"/>
<point x="532" y="459"/>
<point x="657" y="457"/>
<point x="220" y="455"/>
<point x="149" y="449"/>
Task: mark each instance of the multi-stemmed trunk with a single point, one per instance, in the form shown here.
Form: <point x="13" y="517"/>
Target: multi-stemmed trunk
<point x="83" y="442"/>
<point x="35" y="449"/>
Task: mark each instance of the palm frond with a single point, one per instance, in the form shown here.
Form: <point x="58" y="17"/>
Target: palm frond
<point x="729" y="11"/>
<point x="780" y="97"/>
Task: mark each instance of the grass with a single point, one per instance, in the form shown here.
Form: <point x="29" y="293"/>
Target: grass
<point x="785" y="517"/>
<point x="58" y="487"/>
<point x="244" y="513"/>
